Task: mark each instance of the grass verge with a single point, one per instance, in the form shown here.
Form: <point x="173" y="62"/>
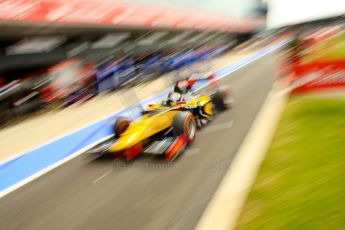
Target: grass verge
<point x="301" y="183"/>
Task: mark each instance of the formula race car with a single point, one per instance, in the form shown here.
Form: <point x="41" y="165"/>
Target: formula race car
<point x="167" y="128"/>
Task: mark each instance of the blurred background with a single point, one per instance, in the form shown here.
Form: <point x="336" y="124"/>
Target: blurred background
<point x="65" y="52"/>
<point x="58" y="53"/>
<point x="65" y="64"/>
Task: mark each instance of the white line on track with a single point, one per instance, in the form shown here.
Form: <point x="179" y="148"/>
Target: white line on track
<point x="217" y="127"/>
<point x="103" y="175"/>
<point x="192" y="152"/>
<point x="225" y="206"/>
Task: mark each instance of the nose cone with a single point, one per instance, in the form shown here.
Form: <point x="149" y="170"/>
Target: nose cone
<point x="127" y="140"/>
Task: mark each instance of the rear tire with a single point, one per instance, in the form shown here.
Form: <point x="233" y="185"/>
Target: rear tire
<point x="120" y="126"/>
<point x="222" y="100"/>
<point x="184" y="124"/>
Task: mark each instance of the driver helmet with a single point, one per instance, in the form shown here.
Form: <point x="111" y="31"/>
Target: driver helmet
<point x="173" y="97"/>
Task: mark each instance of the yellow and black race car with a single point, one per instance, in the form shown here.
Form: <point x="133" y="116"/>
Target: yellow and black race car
<point x="167" y="128"/>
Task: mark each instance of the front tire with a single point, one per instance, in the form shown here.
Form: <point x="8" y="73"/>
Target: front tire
<point x="120" y="126"/>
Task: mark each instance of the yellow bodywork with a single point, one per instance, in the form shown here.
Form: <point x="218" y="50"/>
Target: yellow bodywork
<point x="152" y="123"/>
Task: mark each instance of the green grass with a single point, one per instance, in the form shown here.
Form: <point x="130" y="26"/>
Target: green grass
<point x="301" y="184"/>
<point x="329" y="50"/>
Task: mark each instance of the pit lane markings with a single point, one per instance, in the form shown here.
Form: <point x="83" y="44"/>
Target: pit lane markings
<point x="217" y="127"/>
<point x="102" y="176"/>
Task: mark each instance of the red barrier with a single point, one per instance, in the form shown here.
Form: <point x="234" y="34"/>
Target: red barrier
<point x="88" y="12"/>
<point x="319" y="75"/>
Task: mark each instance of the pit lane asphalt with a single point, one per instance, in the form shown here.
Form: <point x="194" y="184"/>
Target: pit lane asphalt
<point x="87" y="193"/>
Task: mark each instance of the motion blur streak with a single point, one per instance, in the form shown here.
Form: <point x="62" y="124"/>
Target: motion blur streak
<point x="145" y="194"/>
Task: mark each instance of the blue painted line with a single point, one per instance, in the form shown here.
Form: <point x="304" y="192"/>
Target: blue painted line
<point x="20" y="168"/>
